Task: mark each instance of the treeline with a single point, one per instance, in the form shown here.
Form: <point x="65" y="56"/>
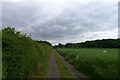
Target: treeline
<point x="21" y="55"/>
<point x="104" y="43"/>
<point x="44" y="42"/>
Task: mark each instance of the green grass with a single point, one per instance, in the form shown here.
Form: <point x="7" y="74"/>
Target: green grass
<point x="94" y="62"/>
<point x="65" y="74"/>
<point x="41" y="70"/>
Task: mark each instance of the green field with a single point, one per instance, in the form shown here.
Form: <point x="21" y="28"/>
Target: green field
<point x="94" y="62"/>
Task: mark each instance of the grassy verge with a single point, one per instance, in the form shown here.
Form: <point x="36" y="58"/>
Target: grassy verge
<point x="41" y="70"/>
<point x="65" y="74"/>
<point x="44" y="65"/>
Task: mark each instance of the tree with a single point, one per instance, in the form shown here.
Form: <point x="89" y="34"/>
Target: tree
<point x="60" y="45"/>
<point x="44" y="42"/>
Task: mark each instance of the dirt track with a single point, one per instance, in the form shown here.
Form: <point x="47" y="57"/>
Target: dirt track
<point x="76" y="74"/>
<point x="53" y="71"/>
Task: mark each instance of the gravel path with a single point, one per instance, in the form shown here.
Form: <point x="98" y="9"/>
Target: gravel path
<point x="53" y="71"/>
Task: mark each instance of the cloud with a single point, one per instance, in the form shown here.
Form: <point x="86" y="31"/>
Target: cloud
<point x="63" y="22"/>
<point x="60" y="0"/>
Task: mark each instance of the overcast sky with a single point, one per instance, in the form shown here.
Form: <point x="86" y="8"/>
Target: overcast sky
<point x="62" y="22"/>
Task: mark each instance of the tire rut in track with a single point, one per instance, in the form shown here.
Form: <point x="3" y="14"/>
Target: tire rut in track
<point x="76" y="74"/>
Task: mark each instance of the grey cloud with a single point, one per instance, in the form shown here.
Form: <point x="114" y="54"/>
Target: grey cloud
<point x="61" y="22"/>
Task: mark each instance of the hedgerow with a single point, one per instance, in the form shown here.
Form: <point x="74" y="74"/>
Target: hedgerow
<point x="21" y="54"/>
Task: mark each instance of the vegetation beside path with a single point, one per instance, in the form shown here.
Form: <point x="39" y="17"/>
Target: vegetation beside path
<point x="23" y="57"/>
<point x="65" y="74"/>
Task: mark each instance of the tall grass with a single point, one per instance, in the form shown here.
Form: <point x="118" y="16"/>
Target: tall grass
<point x="96" y="63"/>
<point x="21" y="55"/>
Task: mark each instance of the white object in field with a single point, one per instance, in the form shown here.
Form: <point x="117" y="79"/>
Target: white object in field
<point x="104" y="51"/>
<point x="77" y="57"/>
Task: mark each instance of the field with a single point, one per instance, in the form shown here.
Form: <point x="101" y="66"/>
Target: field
<point x="94" y="62"/>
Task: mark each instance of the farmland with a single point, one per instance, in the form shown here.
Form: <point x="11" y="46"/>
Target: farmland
<point x="94" y="62"/>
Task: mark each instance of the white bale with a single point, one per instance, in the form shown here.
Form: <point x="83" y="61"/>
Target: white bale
<point x="104" y="51"/>
<point x="77" y="57"/>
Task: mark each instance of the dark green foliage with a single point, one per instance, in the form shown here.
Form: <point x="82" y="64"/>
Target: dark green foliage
<point x="21" y="54"/>
<point x="104" y="43"/>
<point x="45" y="42"/>
<point x="60" y="45"/>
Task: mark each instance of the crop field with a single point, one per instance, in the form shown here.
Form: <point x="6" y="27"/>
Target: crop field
<point x="94" y="62"/>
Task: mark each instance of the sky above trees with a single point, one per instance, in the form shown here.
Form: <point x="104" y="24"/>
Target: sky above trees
<point x="63" y="21"/>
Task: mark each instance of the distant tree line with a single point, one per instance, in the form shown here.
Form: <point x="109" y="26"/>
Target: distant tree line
<point x="44" y="42"/>
<point x="104" y="43"/>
